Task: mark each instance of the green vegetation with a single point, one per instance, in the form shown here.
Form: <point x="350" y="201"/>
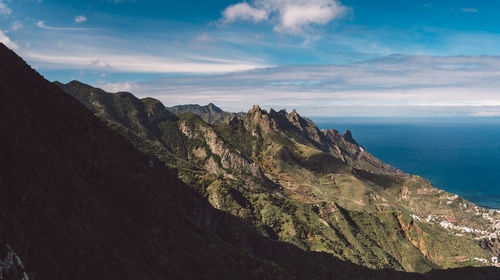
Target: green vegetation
<point x="321" y="191"/>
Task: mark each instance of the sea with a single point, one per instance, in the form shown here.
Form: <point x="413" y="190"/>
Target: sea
<point x="459" y="155"/>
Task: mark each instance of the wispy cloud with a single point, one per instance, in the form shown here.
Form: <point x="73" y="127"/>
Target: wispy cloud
<point x="243" y="11"/>
<point x="16" y="25"/>
<point x="41" y="24"/>
<point x="6" y="41"/>
<point x="469" y="10"/>
<point x="203" y="38"/>
<point x="4" y="9"/>
<point x="491" y="113"/>
<point x="120" y="1"/>
<point x="80" y="19"/>
<point x="116" y="87"/>
<point x="289" y="16"/>
<point x="137" y="63"/>
<point x="391" y="86"/>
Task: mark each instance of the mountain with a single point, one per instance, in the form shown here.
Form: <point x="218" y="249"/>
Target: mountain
<point x="209" y="113"/>
<point x="318" y="190"/>
<point x="81" y="202"/>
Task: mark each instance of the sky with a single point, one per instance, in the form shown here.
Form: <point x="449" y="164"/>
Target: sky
<point x="334" y="58"/>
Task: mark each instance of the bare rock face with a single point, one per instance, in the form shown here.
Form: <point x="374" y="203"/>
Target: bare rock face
<point x="347" y="149"/>
<point x="348" y="137"/>
<point x="11" y="266"/>
<point x="229" y="159"/>
<point x="260" y="118"/>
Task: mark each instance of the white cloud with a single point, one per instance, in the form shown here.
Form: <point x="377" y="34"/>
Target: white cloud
<point x="117" y="87"/>
<point x="80" y="19"/>
<point x="99" y="63"/>
<point x="492" y="113"/>
<point x="290" y="16"/>
<point x="4" y="9"/>
<point x="42" y="25"/>
<point x="16" y="25"/>
<point x="6" y="41"/>
<point x="243" y="11"/>
<point x="137" y="63"/>
<point x="391" y="86"/>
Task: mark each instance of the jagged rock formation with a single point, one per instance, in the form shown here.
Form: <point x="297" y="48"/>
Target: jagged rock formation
<point x="209" y="113"/>
<point x="343" y="147"/>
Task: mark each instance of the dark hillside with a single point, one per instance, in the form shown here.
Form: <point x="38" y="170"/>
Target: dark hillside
<point x="80" y="202"/>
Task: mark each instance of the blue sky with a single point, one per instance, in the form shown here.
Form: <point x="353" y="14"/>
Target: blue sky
<point x="323" y="57"/>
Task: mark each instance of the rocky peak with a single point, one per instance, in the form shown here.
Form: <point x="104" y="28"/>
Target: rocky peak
<point x="214" y="109"/>
<point x="256" y="109"/>
<point x="155" y="110"/>
<point x="295" y="116"/>
<point x="74" y="86"/>
<point x="348" y="137"/>
<point x="296" y="120"/>
<point x="260" y="118"/>
<point x="76" y="83"/>
<point x="332" y="134"/>
<point x="278" y="114"/>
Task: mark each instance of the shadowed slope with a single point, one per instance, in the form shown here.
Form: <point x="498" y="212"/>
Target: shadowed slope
<point x="80" y="202"/>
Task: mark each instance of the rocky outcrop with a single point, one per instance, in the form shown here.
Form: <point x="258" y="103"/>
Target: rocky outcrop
<point x="347" y="149"/>
<point x="348" y="137"/>
<point x="231" y="160"/>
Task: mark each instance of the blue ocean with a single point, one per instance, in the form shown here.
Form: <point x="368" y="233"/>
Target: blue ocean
<point x="459" y="155"/>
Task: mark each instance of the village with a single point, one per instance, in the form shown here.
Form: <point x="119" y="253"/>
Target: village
<point x="491" y="233"/>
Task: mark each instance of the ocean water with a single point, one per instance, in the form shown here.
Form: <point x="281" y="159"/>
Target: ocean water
<point x="459" y="155"/>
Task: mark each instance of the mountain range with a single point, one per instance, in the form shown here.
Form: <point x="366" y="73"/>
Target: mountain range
<point x="99" y="185"/>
